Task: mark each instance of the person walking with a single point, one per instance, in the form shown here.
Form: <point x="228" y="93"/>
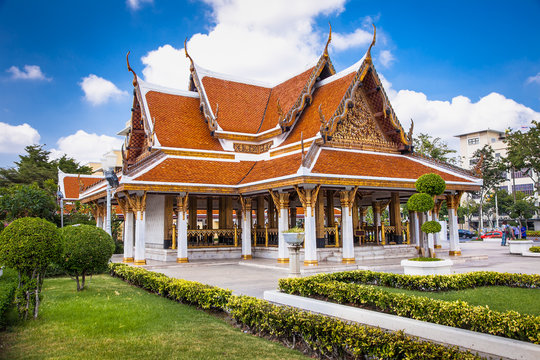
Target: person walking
<point x="523" y="232"/>
<point x="505" y="233"/>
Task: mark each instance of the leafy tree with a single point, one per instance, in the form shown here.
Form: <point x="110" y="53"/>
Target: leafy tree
<point x="29" y="245"/>
<point x="20" y="201"/>
<point x="35" y="167"/>
<point x="524" y="151"/>
<point x="492" y="172"/>
<point x="469" y="209"/>
<point x="433" y="147"/>
<point x="86" y="251"/>
<point x="522" y="210"/>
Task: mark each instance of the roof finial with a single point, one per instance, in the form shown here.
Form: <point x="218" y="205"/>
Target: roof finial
<point x="187" y="54"/>
<point x="135" y="83"/>
<point x="368" y="55"/>
<point x="329" y="39"/>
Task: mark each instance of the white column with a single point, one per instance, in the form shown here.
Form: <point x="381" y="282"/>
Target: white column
<point x="246" y="230"/>
<point x="454" y="235"/>
<point x="347" y="235"/>
<point x="128" y="237"/>
<point x="416" y="227"/>
<point x="310" y="238"/>
<point x="99" y="222"/>
<point x="181" y="240"/>
<point x="437" y="236"/>
<point x="430" y="236"/>
<point x="283" y="225"/>
<point x="140" y="257"/>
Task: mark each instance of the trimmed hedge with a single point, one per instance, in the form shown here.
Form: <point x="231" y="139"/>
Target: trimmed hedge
<point x="187" y="292"/>
<point x="8" y="284"/>
<point x="510" y="324"/>
<point x="333" y="338"/>
<point x="432" y="282"/>
<point x="533" y="233"/>
<point x="431" y="227"/>
<point x="534" y="249"/>
<point x="324" y="335"/>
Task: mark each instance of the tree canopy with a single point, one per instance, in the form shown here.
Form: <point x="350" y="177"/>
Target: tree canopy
<point x="434" y="147"/>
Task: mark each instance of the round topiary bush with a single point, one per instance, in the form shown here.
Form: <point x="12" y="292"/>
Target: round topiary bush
<point x="431" y="227"/>
<point x="431" y="184"/>
<point x="420" y="203"/>
<point x="29" y="245"/>
<point x="86" y="251"/>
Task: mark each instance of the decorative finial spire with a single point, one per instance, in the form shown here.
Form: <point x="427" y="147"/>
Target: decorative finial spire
<point x="191" y="67"/>
<point x="329" y="39"/>
<point x="135" y="83"/>
<point x="368" y="55"/>
<point x="409" y="135"/>
<point x="321" y="116"/>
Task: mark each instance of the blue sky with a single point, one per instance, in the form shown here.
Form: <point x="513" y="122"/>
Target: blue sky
<point x="451" y="66"/>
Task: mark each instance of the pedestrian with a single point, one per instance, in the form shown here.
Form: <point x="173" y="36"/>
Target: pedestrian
<point x="515" y="233"/>
<point x="505" y="233"/>
<point x="523" y="232"/>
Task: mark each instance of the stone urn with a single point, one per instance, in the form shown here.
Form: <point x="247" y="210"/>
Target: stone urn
<point x="293" y="238"/>
<point x="437" y="267"/>
<point x="519" y="246"/>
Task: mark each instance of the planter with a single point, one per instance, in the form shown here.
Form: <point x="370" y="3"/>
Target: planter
<point x="293" y="238"/>
<point x="519" y="246"/>
<point x="441" y="267"/>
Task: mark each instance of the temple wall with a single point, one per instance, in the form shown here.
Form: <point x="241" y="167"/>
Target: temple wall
<point x="155" y="221"/>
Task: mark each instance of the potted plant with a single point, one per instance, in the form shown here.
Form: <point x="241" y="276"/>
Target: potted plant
<point x="519" y="246"/>
<point x="294" y="236"/>
<point x="428" y="186"/>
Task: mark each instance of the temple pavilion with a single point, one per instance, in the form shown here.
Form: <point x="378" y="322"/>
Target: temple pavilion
<point x="220" y="170"/>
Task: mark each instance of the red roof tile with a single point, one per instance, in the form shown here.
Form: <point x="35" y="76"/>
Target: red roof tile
<point x="366" y="164"/>
<point x="179" y="123"/>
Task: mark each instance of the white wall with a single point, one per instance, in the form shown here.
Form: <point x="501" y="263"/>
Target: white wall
<point x="155" y="221"/>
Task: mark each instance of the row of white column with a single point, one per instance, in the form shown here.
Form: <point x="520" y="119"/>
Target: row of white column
<point x="434" y="239"/>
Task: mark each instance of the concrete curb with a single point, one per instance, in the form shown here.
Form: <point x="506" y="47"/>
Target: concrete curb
<point x="477" y="342"/>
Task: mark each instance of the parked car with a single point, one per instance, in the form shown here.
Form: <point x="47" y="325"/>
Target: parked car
<point x="466" y="233"/>
<point x="492" y="234"/>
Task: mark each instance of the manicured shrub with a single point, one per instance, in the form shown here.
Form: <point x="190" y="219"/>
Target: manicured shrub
<point x="420" y="202"/>
<point x="324" y="335"/>
<point x="533" y="233"/>
<point x="534" y="249"/>
<point x="29" y="245"/>
<point x="340" y="287"/>
<point x="431" y="227"/>
<point x="86" y="251"/>
<point x="8" y="284"/>
<point x="431" y="184"/>
<point x="425" y="259"/>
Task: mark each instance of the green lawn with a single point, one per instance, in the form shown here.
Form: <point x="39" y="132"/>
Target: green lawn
<point x="113" y="320"/>
<point x="499" y="298"/>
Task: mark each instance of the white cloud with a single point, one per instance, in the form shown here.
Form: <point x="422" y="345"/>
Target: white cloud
<point x="357" y="38"/>
<point x="85" y="147"/>
<point x="30" y="72"/>
<point x="445" y="119"/>
<point x="252" y="39"/>
<point x="136" y="4"/>
<point x="534" y="79"/>
<point x="13" y="139"/>
<point x="386" y="58"/>
<point x="98" y="90"/>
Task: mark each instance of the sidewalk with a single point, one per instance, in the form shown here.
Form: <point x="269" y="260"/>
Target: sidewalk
<point x="253" y="277"/>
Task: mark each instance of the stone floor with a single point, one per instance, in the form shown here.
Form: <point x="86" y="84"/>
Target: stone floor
<point x="253" y="277"/>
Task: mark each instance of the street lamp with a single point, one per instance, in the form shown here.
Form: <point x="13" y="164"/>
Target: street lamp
<point x="60" y="198"/>
<point x="108" y="162"/>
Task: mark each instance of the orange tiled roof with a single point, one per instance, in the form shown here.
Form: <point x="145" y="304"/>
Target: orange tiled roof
<point x="179" y="123"/>
<point x="71" y="185"/>
<point x="328" y="96"/>
<point x="269" y="169"/>
<point x="376" y="165"/>
<point x="250" y="108"/>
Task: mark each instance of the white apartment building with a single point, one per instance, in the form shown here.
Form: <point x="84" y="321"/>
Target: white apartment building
<point x="470" y="142"/>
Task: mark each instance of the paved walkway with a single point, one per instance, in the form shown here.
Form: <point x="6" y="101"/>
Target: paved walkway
<point x="253" y="277"/>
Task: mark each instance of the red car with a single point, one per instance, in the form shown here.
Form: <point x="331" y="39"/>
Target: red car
<point x="492" y="234"/>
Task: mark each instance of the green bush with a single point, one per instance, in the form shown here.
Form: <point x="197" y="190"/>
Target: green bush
<point x="534" y="249"/>
<point x="431" y="184"/>
<point x="29" y="245"/>
<point x="86" y="251"/>
<point x="420" y="202"/>
<point x="188" y="292"/>
<point x="324" y="335"/>
<point x="333" y="338"/>
<point x="8" y="284"/>
<point x="510" y="324"/>
<point x="431" y="227"/>
<point x="425" y="259"/>
<point x="533" y="233"/>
